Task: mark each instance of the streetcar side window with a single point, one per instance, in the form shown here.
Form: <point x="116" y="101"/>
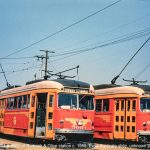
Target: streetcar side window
<point x="28" y="97"/>
<point x="19" y="101"/>
<point x="8" y="103"/>
<point x="117" y="105"/>
<point x="98" y="105"/>
<point x="11" y="103"/>
<point x="102" y="105"/>
<point x="24" y="101"/>
<point x="145" y="104"/>
<point x="105" y="105"/>
<point x="134" y="105"/>
<point x="51" y="100"/>
<point x="15" y="103"/>
<point x="122" y="105"/>
<point x="128" y="105"/>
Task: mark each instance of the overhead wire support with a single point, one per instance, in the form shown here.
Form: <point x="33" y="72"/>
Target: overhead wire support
<point x="59" y="74"/>
<point x="46" y="57"/>
<point x="134" y="82"/>
<point x="113" y="81"/>
<point x="68" y="70"/>
<point x="63" y="29"/>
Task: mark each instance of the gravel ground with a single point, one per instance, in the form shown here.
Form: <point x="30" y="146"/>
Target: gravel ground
<point x="17" y="143"/>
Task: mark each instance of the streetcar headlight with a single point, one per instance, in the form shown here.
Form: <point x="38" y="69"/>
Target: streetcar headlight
<point x="144" y="124"/>
<point x="61" y="122"/>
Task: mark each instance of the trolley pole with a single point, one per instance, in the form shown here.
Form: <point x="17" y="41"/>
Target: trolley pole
<point x="7" y="83"/>
<point x="46" y="57"/>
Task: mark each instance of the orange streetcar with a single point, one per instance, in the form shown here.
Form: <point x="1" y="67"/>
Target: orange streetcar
<point x="56" y="110"/>
<point x="122" y="112"/>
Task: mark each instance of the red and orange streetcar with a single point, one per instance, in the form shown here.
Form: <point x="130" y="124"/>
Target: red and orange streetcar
<point x="122" y="112"/>
<point x="56" y="110"/>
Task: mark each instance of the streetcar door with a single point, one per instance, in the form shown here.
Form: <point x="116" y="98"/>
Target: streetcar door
<point x="32" y="114"/>
<point x="119" y="119"/>
<point x="125" y="119"/>
<point x="130" y="132"/>
<point x="49" y="115"/>
<point x="41" y="115"/>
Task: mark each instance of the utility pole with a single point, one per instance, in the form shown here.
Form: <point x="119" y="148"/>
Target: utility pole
<point x="46" y="57"/>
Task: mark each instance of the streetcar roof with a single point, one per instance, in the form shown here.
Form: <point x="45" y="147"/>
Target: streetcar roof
<point x="48" y="84"/>
<point x="73" y="83"/>
<point x="34" y="86"/>
<point x="140" y="90"/>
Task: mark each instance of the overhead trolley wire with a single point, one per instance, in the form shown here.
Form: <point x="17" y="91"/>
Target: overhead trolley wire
<point x="63" y="29"/>
<point x="13" y="63"/>
<point x="24" y="69"/>
<point x="109" y="42"/>
<point x="124" y="39"/>
<point x="111" y="30"/>
<point x="141" y="72"/>
<point x="115" y="78"/>
<point x="73" y="53"/>
<point x="116" y="40"/>
<point x="17" y="58"/>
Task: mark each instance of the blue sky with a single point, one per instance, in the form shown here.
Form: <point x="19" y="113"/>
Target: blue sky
<point x="27" y="21"/>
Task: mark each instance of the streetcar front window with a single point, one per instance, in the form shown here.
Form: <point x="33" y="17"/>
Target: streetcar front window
<point x="86" y="102"/>
<point x="145" y="104"/>
<point x="67" y="101"/>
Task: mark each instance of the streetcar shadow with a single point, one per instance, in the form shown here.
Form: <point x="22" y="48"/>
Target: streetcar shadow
<point x="121" y="144"/>
<point x="97" y="144"/>
<point x="27" y="142"/>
